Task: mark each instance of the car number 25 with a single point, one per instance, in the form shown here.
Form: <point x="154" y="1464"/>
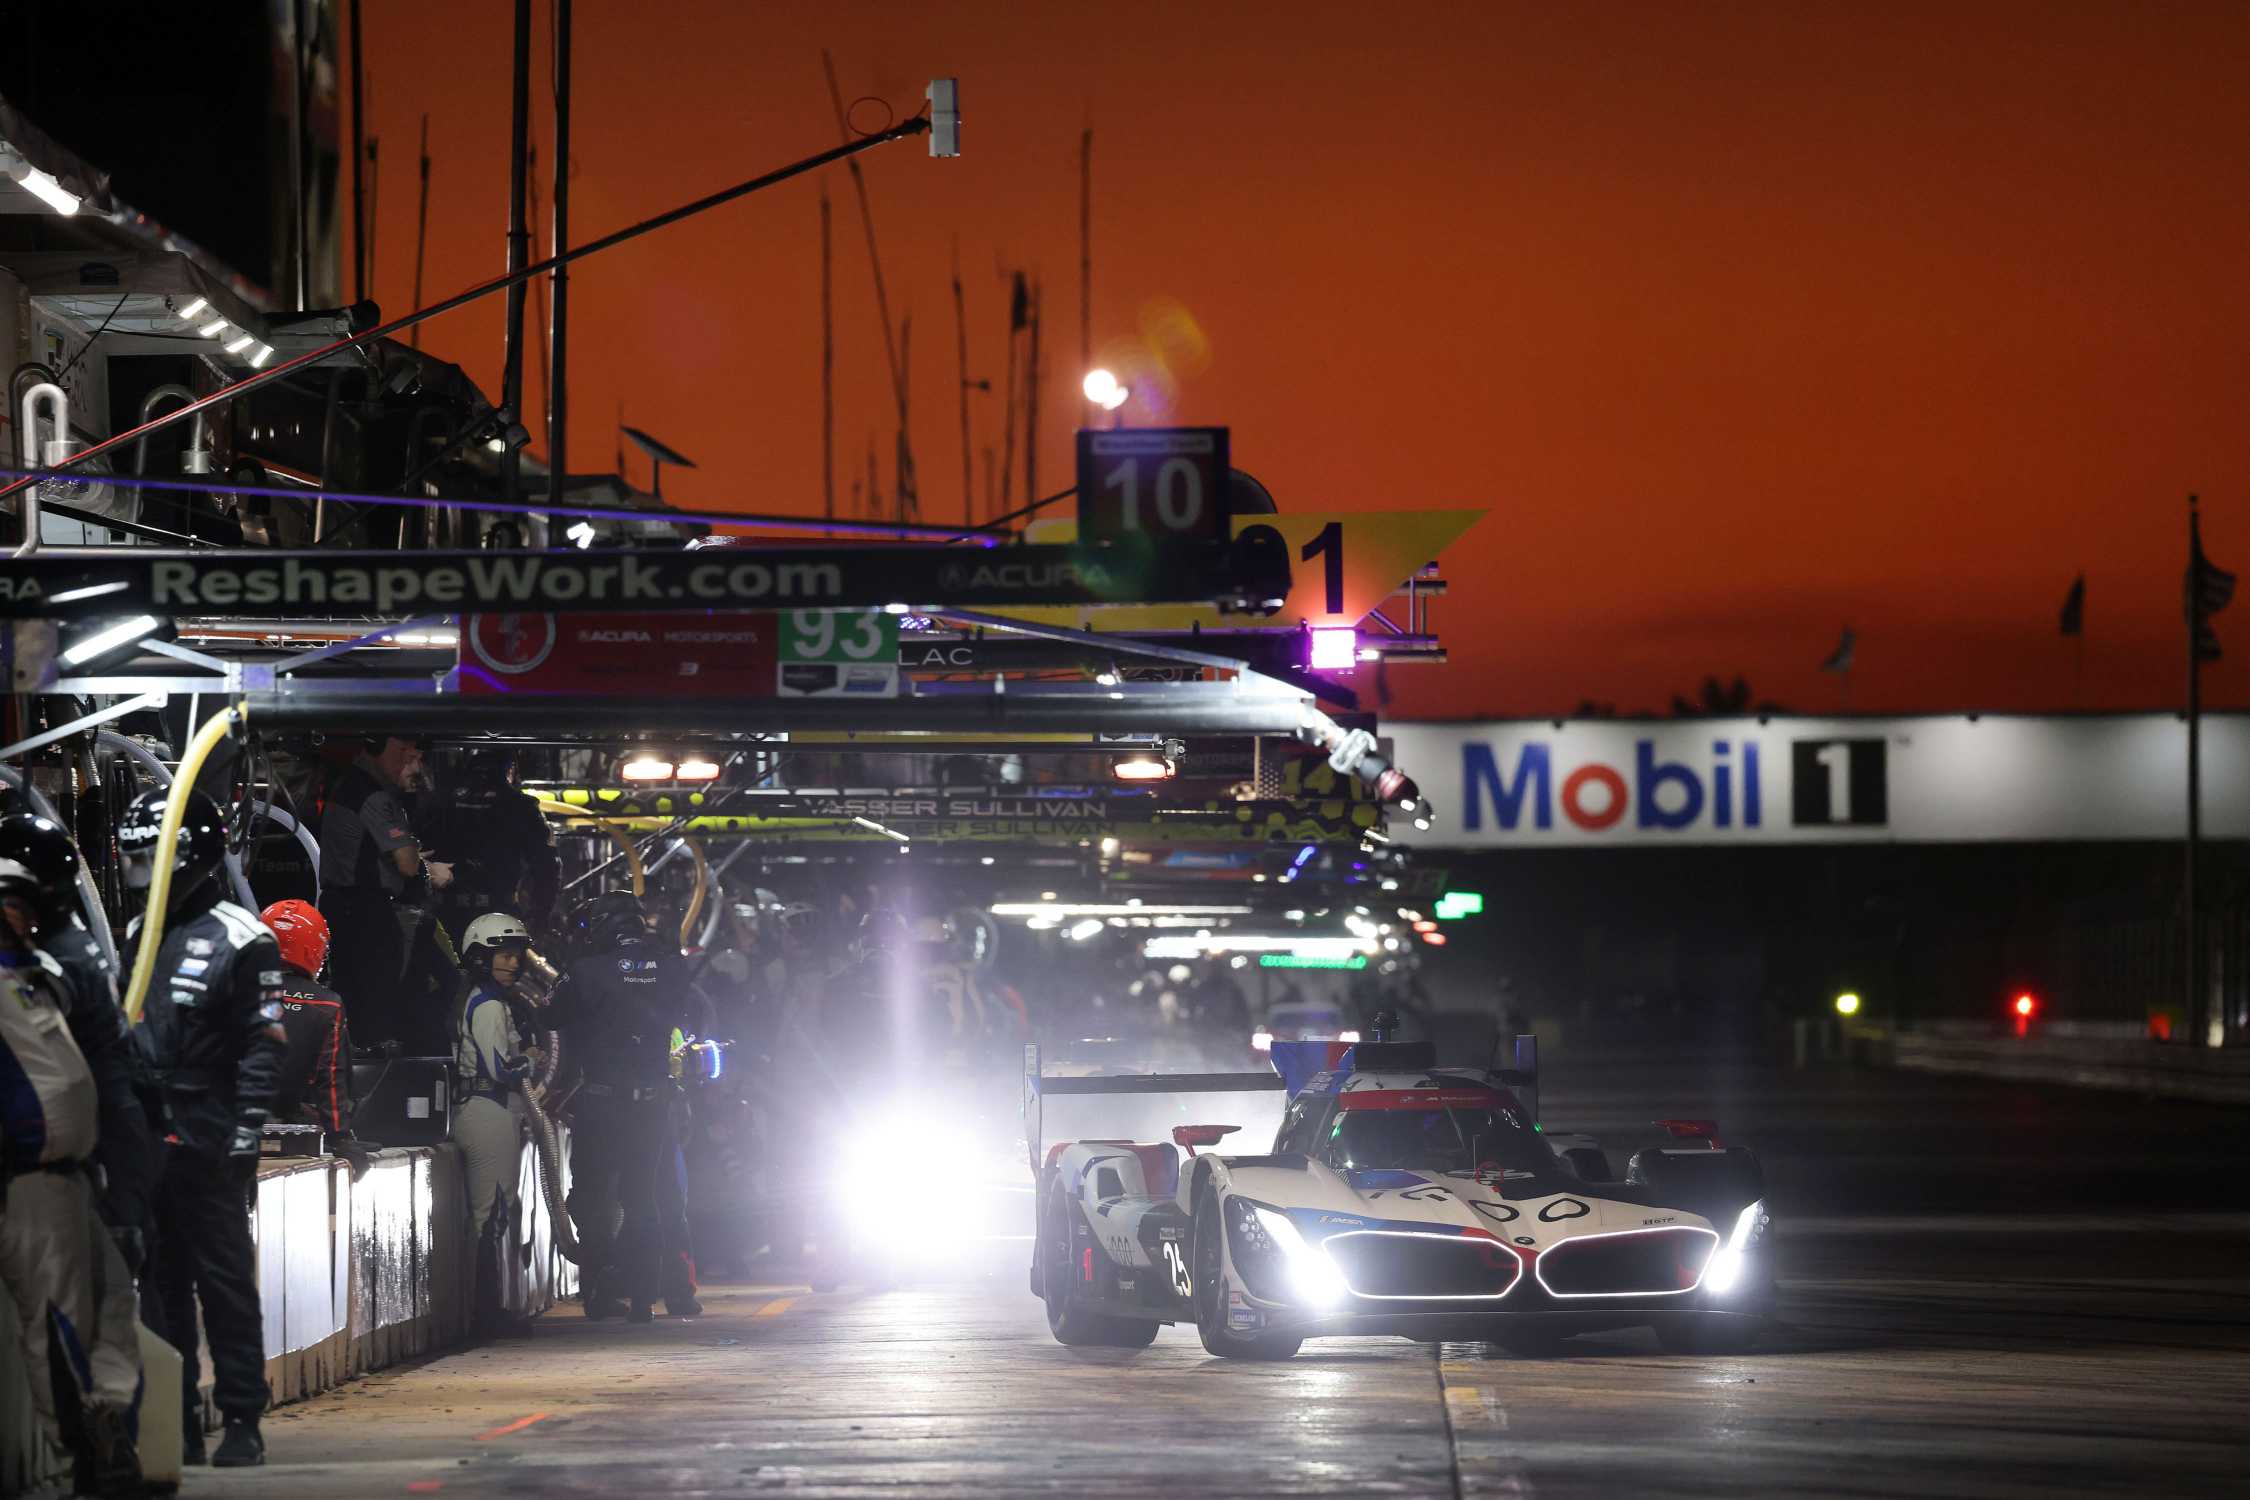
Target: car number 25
<point x="1175" y="1262"/>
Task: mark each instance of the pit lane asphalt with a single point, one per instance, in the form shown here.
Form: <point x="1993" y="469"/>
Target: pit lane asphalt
<point x="1988" y="1289"/>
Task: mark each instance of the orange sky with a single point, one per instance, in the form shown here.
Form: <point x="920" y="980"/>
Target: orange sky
<point x="1746" y="320"/>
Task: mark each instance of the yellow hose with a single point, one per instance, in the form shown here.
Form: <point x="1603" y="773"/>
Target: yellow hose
<point x="624" y="839"/>
<point x="702" y="897"/>
<point x="160" y="879"/>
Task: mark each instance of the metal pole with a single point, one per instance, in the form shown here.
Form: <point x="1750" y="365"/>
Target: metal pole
<point x="827" y="364"/>
<point x="961" y="348"/>
<point x="519" y="249"/>
<point x="1031" y="399"/>
<point x="301" y="156"/>
<point x="359" y="153"/>
<point x="558" y="325"/>
<point x="422" y="225"/>
<point x="1086" y="251"/>
<point x="2197" y="1025"/>
<point x="248" y="383"/>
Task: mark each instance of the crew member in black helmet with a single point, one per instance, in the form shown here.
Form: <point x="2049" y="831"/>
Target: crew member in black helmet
<point x="211" y="1033"/>
<point x="620" y="998"/>
<point x="127" y="1151"/>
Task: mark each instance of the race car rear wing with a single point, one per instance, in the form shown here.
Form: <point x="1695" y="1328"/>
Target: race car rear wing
<point x="1145" y="1106"/>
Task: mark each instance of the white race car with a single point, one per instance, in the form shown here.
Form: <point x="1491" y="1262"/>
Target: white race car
<point x="1398" y="1198"/>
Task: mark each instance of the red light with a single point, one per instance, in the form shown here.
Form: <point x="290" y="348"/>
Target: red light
<point x="1434" y="939"/>
<point x="2025" y="1005"/>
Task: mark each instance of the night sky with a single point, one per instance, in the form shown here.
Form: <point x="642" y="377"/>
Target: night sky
<point x="1748" y="321"/>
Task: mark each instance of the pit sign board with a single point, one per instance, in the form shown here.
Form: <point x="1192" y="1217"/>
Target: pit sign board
<point x="718" y="654"/>
<point x="1159" y="484"/>
<point x="838" y="653"/>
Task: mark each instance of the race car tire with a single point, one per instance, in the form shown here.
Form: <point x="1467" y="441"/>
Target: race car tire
<point x="1711" y="1335"/>
<point x="1207" y="1257"/>
<point x="1070" y="1323"/>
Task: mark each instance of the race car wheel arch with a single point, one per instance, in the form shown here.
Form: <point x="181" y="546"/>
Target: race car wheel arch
<point x="1207" y="1262"/>
<point x="1070" y="1321"/>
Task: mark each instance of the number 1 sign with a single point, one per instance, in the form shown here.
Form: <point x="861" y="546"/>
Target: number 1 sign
<point x="1158" y="484"/>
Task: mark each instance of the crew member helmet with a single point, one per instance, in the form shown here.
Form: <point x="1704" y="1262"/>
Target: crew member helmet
<point x="300" y="932"/>
<point x="18" y="887"/>
<point x="490" y="933"/>
<point x="611" y="920"/>
<point x="42" y="847"/>
<point x="201" y="848"/>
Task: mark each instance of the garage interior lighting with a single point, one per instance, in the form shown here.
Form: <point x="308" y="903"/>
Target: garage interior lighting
<point x="102" y="642"/>
<point x="889" y="833"/>
<point x="1199" y="944"/>
<point x="214" y="328"/>
<point x="1059" y="909"/>
<point x="1335" y="648"/>
<point x="645" y="768"/>
<point x="48" y="190"/>
<point x="1300" y="961"/>
<point x="236" y="346"/>
<point x="1142" y="768"/>
<point x="696" y="768"/>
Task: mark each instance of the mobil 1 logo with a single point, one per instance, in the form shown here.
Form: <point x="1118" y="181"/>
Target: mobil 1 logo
<point x="1838" y="783"/>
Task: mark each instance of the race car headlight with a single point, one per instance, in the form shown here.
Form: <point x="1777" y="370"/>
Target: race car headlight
<point x="1275" y="1261"/>
<point x="1728" y="1260"/>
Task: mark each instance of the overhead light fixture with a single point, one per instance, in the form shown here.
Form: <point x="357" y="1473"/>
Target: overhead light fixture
<point x="1104" y="389"/>
<point x="1195" y="945"/>
<point x="107" y="639"/>
<point x="582" y="534"/>
<point x="194" y="310"/>
<point x="889" y="833"/>
<point x="696" y="768"/>
<point x="236" y="346"/>
<point x="1057" y="909"/>
<point x="214" y="328"/>
<point x="646" y="768"/>
<point x="48" y="190"/>
<point x="87" y="591"/>
<point x="1142" y="768"/>
<point x="258" y="360"/>
<point x="1080" y="931"/>
<point x="1334" y="648"/>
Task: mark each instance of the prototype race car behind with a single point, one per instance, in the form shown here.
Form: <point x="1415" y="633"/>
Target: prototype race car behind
<point x="1398" y="1198"/>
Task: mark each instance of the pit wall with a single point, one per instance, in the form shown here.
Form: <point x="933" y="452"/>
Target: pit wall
<point x="352" y="1277"/>
<point x="2118" y="1064"/>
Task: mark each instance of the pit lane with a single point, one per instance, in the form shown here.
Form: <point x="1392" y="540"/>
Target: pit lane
<point x="1987" y="1289"/>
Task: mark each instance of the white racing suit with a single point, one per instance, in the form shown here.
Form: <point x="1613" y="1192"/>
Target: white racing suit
<point x="72" y="1292"/>
<point x="488" y="1126"/>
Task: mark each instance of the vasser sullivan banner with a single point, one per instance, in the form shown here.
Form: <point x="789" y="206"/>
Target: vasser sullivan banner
<point x="281" y="585"/>
<point x="1934" y="779"/>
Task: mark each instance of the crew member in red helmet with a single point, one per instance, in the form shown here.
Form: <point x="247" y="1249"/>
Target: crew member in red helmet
<point x="315" y="1086"/>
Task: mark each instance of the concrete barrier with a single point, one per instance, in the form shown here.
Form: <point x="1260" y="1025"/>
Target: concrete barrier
<point x="352" y="1276"/>
<point x="2164" y="1070"/>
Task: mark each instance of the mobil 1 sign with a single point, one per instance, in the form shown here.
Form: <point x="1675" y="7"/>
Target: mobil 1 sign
<point x="1164" y="484"/>
<point x="1951" y="778"/>
<point x="838" y="653"/>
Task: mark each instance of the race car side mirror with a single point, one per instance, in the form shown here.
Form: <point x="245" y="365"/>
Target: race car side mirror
<point x="1192" y="1136"/>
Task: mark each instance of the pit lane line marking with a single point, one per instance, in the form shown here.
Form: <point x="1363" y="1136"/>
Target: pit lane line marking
<point x="518" y="1425"/>
<point x="775" y="1308"/>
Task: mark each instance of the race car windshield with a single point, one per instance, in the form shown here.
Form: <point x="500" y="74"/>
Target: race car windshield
<point x="1431" y="1140"/>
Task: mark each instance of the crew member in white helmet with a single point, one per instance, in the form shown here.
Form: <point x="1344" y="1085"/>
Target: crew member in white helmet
<point x="488" y="1124"/>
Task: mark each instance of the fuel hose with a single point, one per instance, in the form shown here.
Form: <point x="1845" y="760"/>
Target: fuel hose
<point x="199" y="749"/>
<point x="625" y="849"/>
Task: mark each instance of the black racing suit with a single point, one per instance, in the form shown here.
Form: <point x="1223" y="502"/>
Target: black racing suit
<point x="502" y="855"/>
<point x="127" y="1150"/>
<point x="211" y="1035"/>
<point x="616" y="1012"/>
<point x="316" y="1075"/>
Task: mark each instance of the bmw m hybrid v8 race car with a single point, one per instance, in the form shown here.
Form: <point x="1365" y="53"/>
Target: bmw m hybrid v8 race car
<point x="1397" y="1198"/>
